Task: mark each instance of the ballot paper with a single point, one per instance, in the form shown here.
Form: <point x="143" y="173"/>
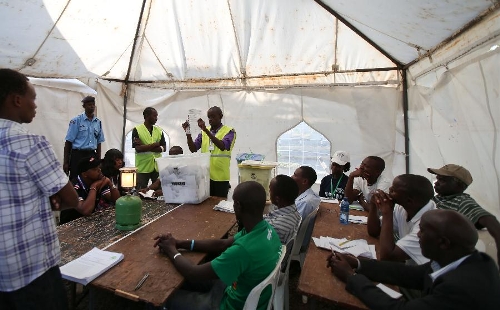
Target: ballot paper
<point x="225" y="206"/>
<point x="90" y="265"/>
<point x="359" y="247"/>
<point x="323" y="199"/>
<point x="389" y="291"/>
<point x="148" y="194"/>
<point x="356" y="206"/>
<point x="358" y="219"/>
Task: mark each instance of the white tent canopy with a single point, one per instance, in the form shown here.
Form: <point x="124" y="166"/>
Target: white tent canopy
<point x="344" y="67"/>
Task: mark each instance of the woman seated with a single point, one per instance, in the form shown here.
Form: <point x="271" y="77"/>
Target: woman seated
<point x="110" y="167"/>
<point x="333" y="185"/>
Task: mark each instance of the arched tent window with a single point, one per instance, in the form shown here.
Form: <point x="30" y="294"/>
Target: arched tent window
<point x="303" y="146"/>
<point x="130" y="152"/>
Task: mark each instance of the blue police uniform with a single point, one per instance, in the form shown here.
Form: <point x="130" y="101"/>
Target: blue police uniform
<point x="84" y="135"/>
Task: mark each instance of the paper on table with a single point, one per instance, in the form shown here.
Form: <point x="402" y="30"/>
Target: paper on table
<point x="358" y="219"/>
<point x="357" y="247"/>
<point x="148" y="194"/>
<point x="225" y="206"/>
<point x="329" y="200"/>
<point x="90" y="265"/>
<point x="389" y="291"/>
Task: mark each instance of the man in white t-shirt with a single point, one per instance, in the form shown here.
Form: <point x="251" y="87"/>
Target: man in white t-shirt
<point x="364" y="181"/>
<point x="410" y="196"/>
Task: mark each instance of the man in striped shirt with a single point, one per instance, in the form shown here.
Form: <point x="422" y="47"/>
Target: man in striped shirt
<point x="451" y="182"/>
<point x="285" y="219"/>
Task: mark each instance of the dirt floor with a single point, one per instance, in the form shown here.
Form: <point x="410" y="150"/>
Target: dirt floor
<point x="107" y="301"/>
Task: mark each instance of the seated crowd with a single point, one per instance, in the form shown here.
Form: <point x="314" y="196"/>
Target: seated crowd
<point x="398" y="213"/>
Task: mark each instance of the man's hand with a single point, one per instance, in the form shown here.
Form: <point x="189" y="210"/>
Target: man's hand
<point x="201" y="124"/>
<point x="342" y="266"/>
<point x="356" y="173"/>
<point x="186" y="127"/>
<point x="66" y="168"/>
<point x="138" y="142"/>
<point x="383" y="202"/>
<point x="166" y="243"/>
<point x="55" y="202"/>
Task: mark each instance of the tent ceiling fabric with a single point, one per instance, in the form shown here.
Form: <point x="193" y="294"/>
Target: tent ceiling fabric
<point x="407" y="28"/>
<point x="225" y="40"/>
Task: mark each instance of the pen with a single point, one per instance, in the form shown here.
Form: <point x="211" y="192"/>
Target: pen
<point x="342" y="243"/>
<point x="138" y="286"/>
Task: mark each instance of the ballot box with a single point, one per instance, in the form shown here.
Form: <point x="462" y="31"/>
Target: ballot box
<point x="258" y="171"/>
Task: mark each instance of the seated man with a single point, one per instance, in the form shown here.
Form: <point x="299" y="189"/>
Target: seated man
<point x="365" y="180"/>
<point x="410" y="196"/>
<point x="452" y="181"/>
<point x="307" y="201"/>
<point x="458" y="277"/>
<point x="156" y="186"/>
<point x="285" y="219"/>
<point x="246" y="259"/>
<point x="95" y="191"/>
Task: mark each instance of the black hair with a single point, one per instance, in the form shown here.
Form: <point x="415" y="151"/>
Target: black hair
<point x="418" y="187"/>
<point x="217" y="109"/>
<point x="286" y="188"/>
<point x="347" y="166"/>
<point x="309" y="174"/>
<point x="379" y="162"/>
<point x="147" y="111"/>
<point x="12" y="82"/>
<point x="108" y="163"/>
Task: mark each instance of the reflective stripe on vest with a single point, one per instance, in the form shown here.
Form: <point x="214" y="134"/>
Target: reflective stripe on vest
<point x="219" y="160"/>
<point x="145" y="161"/>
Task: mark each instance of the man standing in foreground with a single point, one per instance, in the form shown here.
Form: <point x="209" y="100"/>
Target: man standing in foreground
<point x="32" y="183"/>
<point x="149" y="142"/>
<point x="83" y="139"/>
<point x="452" y="181"/>
<point x="246" y="259"/>
<point x="219" y="140"/>
<point x="458" y="277"/>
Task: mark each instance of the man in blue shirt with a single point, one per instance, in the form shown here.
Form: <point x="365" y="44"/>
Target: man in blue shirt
<point x="83" y="139"/>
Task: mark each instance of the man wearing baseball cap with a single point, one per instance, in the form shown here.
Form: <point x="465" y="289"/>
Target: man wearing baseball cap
<point x="333" y="185"/>
<point x="83" y="139"/>
<point x="95" y="191"/>
<point x="451" y="182"/>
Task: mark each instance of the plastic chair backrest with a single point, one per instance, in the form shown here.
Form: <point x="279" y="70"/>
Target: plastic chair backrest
<point x="272" y="279"/>
<point x="301" y="233"/>
<point x="281" y="293"/>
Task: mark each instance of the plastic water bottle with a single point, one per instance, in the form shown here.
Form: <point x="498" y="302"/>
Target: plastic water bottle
<point x="344" y="211"/>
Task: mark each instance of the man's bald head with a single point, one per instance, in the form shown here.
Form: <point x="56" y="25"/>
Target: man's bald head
<point x="251" y="196"/>
<point x="452" y="226"/>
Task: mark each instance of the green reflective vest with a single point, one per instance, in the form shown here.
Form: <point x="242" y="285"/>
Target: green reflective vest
<point x="219" y="160"/>
<point x="145" y="161"/>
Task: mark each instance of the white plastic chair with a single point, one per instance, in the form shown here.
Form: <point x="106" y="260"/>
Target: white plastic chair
<point x="296" y="253"/>
<point x="281" y="297"/>
<point x="272" y="279"/>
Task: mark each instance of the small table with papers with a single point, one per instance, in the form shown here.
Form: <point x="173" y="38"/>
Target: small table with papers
<point x="316" y="280"/>
<point x="140" y="257"/>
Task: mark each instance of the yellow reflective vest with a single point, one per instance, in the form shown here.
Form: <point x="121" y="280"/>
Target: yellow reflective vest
<point x="219" y="160"/>
<point x="145" y="161"/>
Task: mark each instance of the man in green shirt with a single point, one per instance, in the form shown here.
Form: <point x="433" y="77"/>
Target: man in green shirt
<point x="246" y="259"/>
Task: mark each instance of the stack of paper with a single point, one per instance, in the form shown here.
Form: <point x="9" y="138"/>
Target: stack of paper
<point x="90" y="265"/>
<point x="356" y="206"/>
<point x="355" y="247"/>
<point x="225" y="206"/>
<point x="323" y="199"/>
<point x="358" y="219"/>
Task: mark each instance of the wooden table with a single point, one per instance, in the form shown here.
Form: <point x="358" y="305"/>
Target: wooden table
<point x="98" y="230"/>
<point x="185" y="222"/>
<point x="316" y="280"/>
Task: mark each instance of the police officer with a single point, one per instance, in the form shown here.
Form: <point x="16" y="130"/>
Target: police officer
<point x="84" y="137"/>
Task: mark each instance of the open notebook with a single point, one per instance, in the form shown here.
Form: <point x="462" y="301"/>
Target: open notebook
<point x="90" y="265"/>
